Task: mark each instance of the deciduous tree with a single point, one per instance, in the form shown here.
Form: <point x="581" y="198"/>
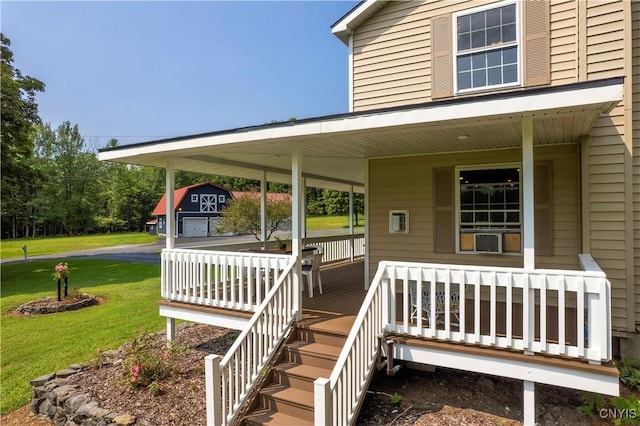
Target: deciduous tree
<point x="242" y="214"/>
<point x="19" y="114"/>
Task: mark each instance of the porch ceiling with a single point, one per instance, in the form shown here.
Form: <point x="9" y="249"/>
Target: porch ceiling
<point x="335" y="148"/>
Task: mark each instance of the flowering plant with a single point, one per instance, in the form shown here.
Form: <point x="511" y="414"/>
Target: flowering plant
<point x="148" y="362"/>
<point x="60" y="271"/>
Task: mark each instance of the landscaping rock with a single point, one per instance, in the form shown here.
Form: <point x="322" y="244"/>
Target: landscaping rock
<point x="65" y="404"/>
<point x="124" y="420"/>
<point x="40" y="381"/>
<point x="65" y="373"/>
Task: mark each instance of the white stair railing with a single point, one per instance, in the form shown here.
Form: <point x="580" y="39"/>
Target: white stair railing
<point x="220" y="279"/>
<point x="230" y="380"/>
<point x="336" y="399"/>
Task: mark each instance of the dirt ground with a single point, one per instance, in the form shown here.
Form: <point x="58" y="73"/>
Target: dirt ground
<point x="443" y="397"/>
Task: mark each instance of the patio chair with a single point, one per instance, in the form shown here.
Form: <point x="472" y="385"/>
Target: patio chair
<point x="425" y="308"/>
<point x="311" y="270"/>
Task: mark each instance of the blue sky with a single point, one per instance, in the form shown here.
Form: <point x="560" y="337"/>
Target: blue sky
<point x="146" y="70"/>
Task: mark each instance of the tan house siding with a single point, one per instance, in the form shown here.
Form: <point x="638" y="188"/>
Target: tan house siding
<point x="607" y="206"/>
<point x="605" y="39"/>
<point x="407" y="184"/>
<point x="564" y="42"/>
<point x="606" y="153"/>
<point x="635" y="10"/>
<point x="392" y="50"/>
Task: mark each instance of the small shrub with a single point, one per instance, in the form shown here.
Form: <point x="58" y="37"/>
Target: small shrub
<point x="628" y="408"/>
<point x="629" y="374"/>
<point x="146" y="364"/>
<point x="592" y="403"/>
<point x="395" y="398"/>
<point x="74" y="292"/>
<point x="155" y="388"/>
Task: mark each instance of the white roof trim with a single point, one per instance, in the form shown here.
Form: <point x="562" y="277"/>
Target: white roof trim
<point x="353" y="19"/>
<point x="535" y="104"/>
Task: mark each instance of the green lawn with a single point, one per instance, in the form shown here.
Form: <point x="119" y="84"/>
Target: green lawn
<point x="39" y="246"/>
<point x="332" y="222"/>
<point x="33" y="346"/>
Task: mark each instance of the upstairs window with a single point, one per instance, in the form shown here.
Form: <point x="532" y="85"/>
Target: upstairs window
<point x="487" y="48"/>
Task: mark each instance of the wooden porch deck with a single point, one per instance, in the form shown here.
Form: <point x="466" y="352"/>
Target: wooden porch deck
<point x="343" y="293"/>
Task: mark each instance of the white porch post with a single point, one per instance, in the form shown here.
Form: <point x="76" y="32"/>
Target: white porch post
<point x="170" y="219"/>
<point x="170" y="226"/>
<point x="263" y="207"/>
<point x="529" y="402"/>
<point x="351" y="220"/>
<point x="296" y="219"/>
<point x="303" y="223"/>
<point x="366" y="227"/>
<point x="213" y="380"/>
<point x="527" y="193"/>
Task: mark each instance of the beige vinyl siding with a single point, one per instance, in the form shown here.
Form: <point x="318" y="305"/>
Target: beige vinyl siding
<point x="635" y="10"/>
<point x="605" y="39"/>
<point x="606" y="156"/>
<point x="607" y="206"/>
<point x="564" y="42"/>
<point x="391" y="53"/>
<point x="407" y="184"/>
<point x="392" y="50"/>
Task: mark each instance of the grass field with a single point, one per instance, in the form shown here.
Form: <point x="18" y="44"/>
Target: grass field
<point x="33" y="346"/>
<point x="10" y="249"/>
<point x="332" y="222"/>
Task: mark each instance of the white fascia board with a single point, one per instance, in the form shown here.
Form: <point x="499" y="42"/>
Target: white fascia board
<point x="513" y="369"/>
<point x="346" y="25"/>
<point x="515" y="107"/>
<point x="226" y="321"/>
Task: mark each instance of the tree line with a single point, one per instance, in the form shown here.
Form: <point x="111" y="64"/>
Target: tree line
<point x="52" y="182"/>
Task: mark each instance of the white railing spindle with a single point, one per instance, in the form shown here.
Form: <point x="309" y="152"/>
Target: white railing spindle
<point x="220" y="279"/>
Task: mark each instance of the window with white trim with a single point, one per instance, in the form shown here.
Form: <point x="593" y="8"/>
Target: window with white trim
<point x="194" y="198"/>
<point x="487" y="47"/>
<point x="489" y="209"/>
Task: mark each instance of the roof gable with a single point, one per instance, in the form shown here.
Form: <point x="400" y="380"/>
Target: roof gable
<point x="356" y="16"/>
<point x="178" y="196"/>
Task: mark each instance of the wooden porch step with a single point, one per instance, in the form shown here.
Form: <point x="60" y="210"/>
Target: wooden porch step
<point x="286" y="397"/>
<point x="271" y="418"/>
<point x="290" y="401"/>
<point x="298" y="376"/>
<point x="312" y="354"/>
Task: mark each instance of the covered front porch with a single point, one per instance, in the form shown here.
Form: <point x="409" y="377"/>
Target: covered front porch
<point x="491" y="301"/>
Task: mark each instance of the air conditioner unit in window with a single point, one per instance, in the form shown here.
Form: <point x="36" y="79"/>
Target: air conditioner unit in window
<point x="487" y="243"/>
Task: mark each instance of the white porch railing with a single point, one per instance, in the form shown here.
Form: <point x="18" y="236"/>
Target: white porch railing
<point x="229" y="381"/>
<point x="219" y="279"/>
<point x="339" y="248"/>
<point x="580" y="300"/>
<point x="572" y="306"/>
